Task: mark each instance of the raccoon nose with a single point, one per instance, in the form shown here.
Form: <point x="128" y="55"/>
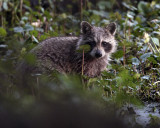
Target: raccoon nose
<point x="98" y="54"/>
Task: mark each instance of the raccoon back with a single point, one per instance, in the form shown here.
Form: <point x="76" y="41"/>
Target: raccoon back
<point x="55" y="53"/>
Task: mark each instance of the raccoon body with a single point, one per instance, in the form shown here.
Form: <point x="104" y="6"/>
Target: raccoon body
<point x="60" y="53"/>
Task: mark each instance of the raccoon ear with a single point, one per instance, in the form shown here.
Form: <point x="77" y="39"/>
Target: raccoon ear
<point x="85" y="27"/>
<point x="112" y="28"/>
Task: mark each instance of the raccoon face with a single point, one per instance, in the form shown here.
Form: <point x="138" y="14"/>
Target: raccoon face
<point x="101" y="40"/>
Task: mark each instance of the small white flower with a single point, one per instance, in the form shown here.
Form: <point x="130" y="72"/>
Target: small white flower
<point x="146" y="37"/>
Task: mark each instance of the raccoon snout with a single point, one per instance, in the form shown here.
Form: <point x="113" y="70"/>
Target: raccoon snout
<point x="98" y="54"/>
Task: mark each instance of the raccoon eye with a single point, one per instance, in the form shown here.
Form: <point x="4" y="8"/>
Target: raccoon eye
<point x="105" y="43"/>
<point x="107" y="46"/>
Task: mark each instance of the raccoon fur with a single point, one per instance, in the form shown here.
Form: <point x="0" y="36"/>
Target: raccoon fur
<point x="60" y="53"/>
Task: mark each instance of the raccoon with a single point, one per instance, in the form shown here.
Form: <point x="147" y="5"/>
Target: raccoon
<point x="60" y="53"/>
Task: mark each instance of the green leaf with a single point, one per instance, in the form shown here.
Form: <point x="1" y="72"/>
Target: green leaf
<point x="3" y="32"/>
<point x="25" y="18"/>
<point x="28" y="27"/>
<point x="156" y="32"/>
<point x="34" y="32"/>
<point x="136" y="75"/>
<point x="35" y="39"/>
<point x="51" y="3"/>
<point x="129" y="6"/>
<point x="125" y="79"/>
<point x="100" y="13"/>
<point x="5" y="6"/>
<point x="145" y="56"/>
<point x="102" y="5"/>
<point x="118" y="54"/>
<point x="122" y="98"/>
<point x="84" y="47"/>
<point x="143" y="7"/>
<point x="146" y="77"/>
<point x="155" y="40"/>
<point x="18" y="29"/>
<point x="43" y="37"/>
<point x="23" y="51"/>
<point x="63" y="15"/>
<point x="151" y="59"/>
<point x="3" y="46"/>
<point x="135" y="61"/>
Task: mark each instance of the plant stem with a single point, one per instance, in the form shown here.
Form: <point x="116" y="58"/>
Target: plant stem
<point x="151" y="48"/>
<point x="124" y="56"/>
<point x="21" y="7"/>
<point x="81" y="8"/>
<point x="83" y="62"/>
<point x="156" y="47"/>
<point x="37" y="83"/>
<point x="129" y="33"/>
<point x="2" y="20"/>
